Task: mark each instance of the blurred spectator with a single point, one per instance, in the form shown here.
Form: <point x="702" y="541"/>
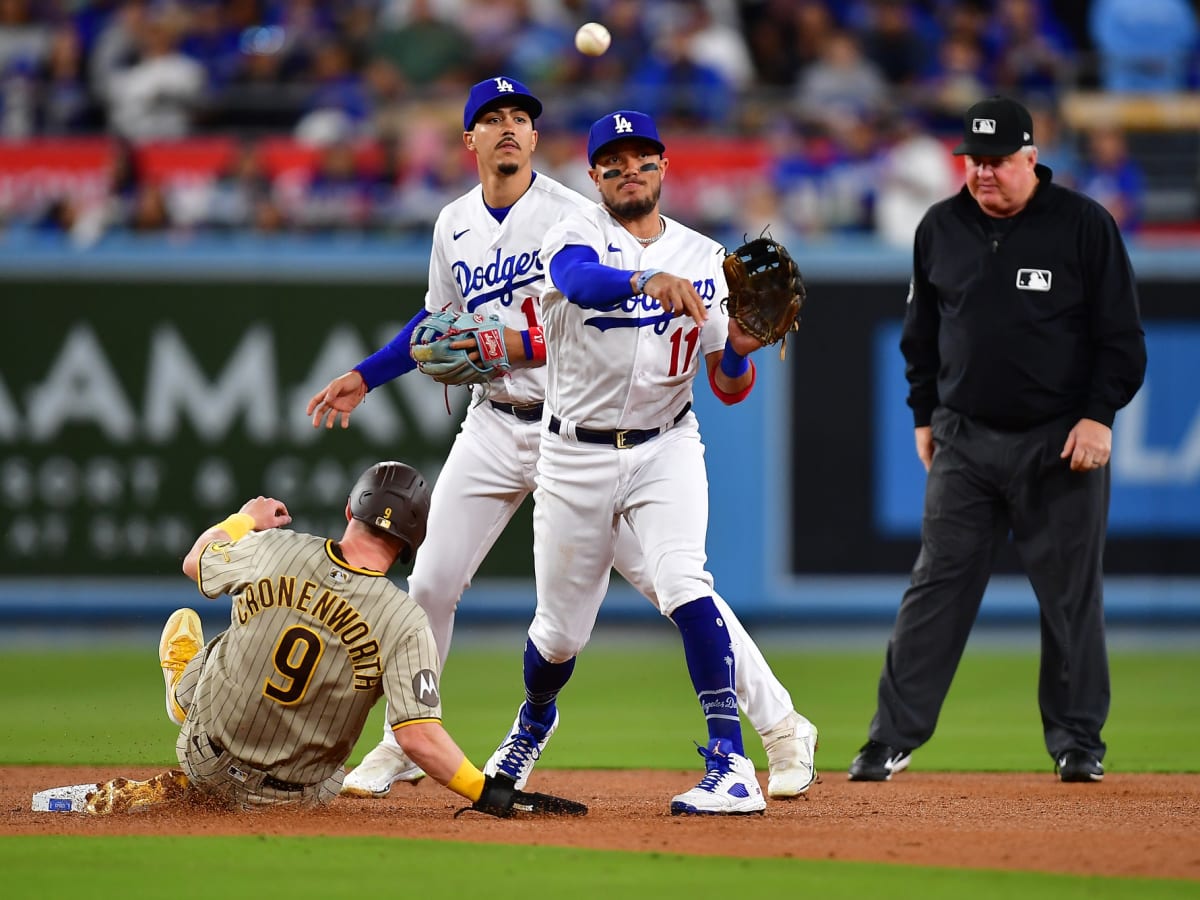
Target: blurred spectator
<point x="213" y="40"/>
<point x="239" y="197"/>
<point x="851" y="176"/>
<point x="426" y="48"/>
<point x="771" y="36"/>
<point x="337" y="83"/>
<point x="721" y="46"/>
<point x="540" y="47"/>
<point x="798" y="178"/>
<point x="841" y="82"/>
<point x="150" y="212"/>
<point x="891" y="41"/>
<point x="958" y="83"/>
<point x="1054" y="149"/>
<point x="24" y="40"/>
<point x="115" y="47"/>
<point x="915" y="172"/>
<point x="337" y="194"/>
<point x="1111" y="178"/>
<point x="1144" y="45"/>
<point x="1030" y="61"/>
<point x="677" y="90"/>
<point x="158" y="96"/>
<point x="64" y="106"/>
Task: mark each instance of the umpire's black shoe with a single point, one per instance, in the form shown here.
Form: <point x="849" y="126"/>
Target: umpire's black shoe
<point x="1079" y="765"/>
<point x="878" y="762"/>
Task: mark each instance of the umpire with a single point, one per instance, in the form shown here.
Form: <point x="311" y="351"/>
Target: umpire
<point x="1022" y="338"/>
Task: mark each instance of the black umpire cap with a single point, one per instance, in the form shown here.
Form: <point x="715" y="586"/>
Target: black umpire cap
<point x="996" y="126"/>
<point x="393" y="498"/>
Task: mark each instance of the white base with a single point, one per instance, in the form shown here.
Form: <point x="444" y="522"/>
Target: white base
<point x="72" y="798"/>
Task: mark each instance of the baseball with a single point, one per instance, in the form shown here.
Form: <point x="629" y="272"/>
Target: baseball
<point x="592" y="39"/>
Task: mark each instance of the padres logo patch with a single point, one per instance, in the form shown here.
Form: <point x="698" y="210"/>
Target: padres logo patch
<point x="1033" y="279"/>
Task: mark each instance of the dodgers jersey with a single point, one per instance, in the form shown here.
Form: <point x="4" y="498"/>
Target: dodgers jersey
<point x="479" y="264"/>
<point x="629" y="365"/>
<point x="312" y="644"/>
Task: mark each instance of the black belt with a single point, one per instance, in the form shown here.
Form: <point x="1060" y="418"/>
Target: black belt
<point x="529" y="413"/>
<point x="621" y="438"/>
<point x="269" y="781"/>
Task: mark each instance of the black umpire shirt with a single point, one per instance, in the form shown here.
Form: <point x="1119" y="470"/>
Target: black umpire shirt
<point x="1016" y="322"/>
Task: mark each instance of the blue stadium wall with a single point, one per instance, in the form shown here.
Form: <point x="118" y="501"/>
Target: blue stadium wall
<point x="148" y="387"/>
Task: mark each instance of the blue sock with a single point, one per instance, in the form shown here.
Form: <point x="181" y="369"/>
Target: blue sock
<point x="710" y="663"/>
<point x="543" y="681"/>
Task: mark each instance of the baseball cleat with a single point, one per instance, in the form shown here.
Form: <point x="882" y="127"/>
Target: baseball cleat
<point x="182" y="638"/>
<point x="791" y="746"/>
<point x="379" y="770"/>
<point x="521" y="750"/>
<point x="122" y="795"/>
<point x="1079" y="765"/>
<point x="729" y="786"/>
<point x="877" y="761"/>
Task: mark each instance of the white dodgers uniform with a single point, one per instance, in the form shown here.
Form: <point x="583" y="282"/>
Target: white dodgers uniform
<point x="479" y="264"/>
<point x="626" y="369"/>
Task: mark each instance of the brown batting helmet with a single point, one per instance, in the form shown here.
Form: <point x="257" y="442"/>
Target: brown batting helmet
<point x="394" y="498"/>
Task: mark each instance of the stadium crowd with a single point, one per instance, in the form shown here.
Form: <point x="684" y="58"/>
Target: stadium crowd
<point x="835" y="114"/>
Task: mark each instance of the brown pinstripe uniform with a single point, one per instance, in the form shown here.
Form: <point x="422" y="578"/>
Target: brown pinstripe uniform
<point x="276" y="703"/>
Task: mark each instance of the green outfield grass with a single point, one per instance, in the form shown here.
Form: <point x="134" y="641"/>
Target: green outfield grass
<point x="626" y="707"/>
<point x="330" y="867"/>
<point x="632" y="708"/>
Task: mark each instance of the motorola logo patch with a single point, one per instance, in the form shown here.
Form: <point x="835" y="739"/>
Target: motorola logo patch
<point x="425" y="688"/>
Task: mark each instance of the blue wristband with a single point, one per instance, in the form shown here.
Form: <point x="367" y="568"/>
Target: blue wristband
<point x="733" y="364"/>
<point x="640" y="284"/>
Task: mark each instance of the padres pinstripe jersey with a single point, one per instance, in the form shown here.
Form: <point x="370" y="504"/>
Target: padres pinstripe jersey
<point x="312" y="644"/>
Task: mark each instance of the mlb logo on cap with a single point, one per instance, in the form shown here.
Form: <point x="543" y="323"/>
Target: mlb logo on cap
<point x="996" y="126"/>
<point x="618" y="126"/>
<point x="496" y="92"/>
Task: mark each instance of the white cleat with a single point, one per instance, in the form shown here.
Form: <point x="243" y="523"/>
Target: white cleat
<point x="373" y="778"/>
<point x="791" y="746"/>
<point x="729" y="786"/>
<point x="521" y="749"/>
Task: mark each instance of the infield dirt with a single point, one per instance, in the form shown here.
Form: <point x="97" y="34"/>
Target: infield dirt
<point x="1132" y="825"/>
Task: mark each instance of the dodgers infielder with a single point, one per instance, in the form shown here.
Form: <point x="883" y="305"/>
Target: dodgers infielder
<point x="272" y="707"/>
<point x="621" y="447"/>
<point x="486" y="258"/>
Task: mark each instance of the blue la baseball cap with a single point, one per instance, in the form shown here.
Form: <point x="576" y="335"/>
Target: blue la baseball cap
<point x="618" y="126"/>
<point x="498" y="91"/>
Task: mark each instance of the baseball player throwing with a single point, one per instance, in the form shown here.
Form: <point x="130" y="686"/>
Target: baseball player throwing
<point x="631" y="311"/>
<point x="272" y="707"/>
<point x="486" y="259"/>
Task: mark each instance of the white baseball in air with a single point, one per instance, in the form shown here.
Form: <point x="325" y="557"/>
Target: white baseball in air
<point x="592" y="39"/>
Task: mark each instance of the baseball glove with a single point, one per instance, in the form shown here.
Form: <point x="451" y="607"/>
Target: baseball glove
<point x="430" y="348"/>
<point x="501" y="798"/>
<point x="766" y="290"/>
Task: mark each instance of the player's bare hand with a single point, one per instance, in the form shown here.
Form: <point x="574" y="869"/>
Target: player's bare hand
<point x="677" y="296"/>
<point x="924" y="440"/>
<point x="338" y="398"/>
<point x="1088" y="446"/>
<point x="742" y="343"/>
<point x="267" y="512"/>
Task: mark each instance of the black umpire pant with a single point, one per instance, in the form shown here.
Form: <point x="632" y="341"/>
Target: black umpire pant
<point x="984" y="483"/>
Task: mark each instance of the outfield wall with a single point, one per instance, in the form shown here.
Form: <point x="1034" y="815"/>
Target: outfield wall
<point x="148" y="388"/>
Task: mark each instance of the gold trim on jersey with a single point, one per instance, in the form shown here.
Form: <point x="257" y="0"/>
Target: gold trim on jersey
<point x="333" y="555"/>
<point x="413" y="722"/>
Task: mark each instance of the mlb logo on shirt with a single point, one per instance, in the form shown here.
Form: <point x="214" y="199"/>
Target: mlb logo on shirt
<point x="1033" y="279"/>
<point x="983" y="126"/>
